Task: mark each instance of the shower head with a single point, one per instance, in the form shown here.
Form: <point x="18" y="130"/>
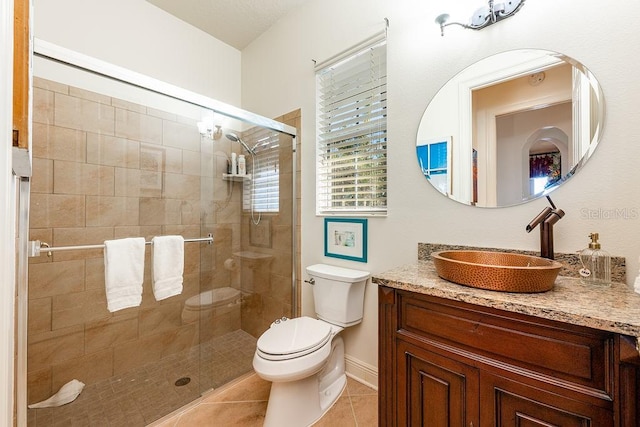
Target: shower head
<point x="235" y="138"/>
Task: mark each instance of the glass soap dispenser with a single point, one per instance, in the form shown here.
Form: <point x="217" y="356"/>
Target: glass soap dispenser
<point x="596" y="263"/>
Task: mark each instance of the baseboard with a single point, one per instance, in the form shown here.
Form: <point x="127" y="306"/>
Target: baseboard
<point x="362" y="372"/>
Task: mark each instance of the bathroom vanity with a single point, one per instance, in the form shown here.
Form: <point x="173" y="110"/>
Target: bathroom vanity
<point x="451" y="355"/>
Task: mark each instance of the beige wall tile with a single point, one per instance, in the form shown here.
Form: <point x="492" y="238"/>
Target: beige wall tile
<point x="38" y="385"/>
<point x="190" y="212"/>
<point x="134" y="354"/>
<point x="191" y="162"/>
<point x="180" y="136"/>
<point x="111" y="211"/>
<point x="52" y="142"/>
<point x="79" y="308"/>
<point x="159" y="211"/>
<point x="112" y="151"/>
<point x="110" y="332"/>
<point x="41" y="83"/>
<point x="146" y="231"/>
<point x="55" y="278"/>
<point x="89" y="95"/>
<point x="165" y="317"/>
<point x="94" y="274"/>
<point x="53" y="210"/>
<point x="82" y="236"/>
<point x="173" y="160"/>
<point x="126" y="105"/>
<point x="127" y="182"/>
<point x="42" y="179"/>
<point x="82" y="178"/>
<point x="179" y="339"/>
<point x="139" y="127"/>
<point x="152" y="157"/>
<point x="181" y="186"/>
<point x="39" y="315"/>
<point x="48" y="348"/>
<point x="43" y="106"/>
<point x="161" y="114"/>
<point x="151" y="184"/>
<point x="82" y="114"/>
<point x="89" y="369"/>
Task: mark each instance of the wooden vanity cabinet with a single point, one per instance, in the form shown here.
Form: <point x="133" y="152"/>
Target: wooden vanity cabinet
<point x="449" y="363"/>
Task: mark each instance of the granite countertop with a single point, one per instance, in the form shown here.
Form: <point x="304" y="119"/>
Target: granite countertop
<point x="614" y="308"/>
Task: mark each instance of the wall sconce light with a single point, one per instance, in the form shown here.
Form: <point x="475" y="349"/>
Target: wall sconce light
<point x="484" y="16"/>
<point x="206" y="129"/>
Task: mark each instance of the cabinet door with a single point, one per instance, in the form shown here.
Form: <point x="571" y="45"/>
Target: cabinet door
<point x="434" y="391"/>
<point x="508" y="403"/>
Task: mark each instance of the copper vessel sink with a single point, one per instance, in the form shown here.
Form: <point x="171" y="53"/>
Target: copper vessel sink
<point x="497" y="271"/>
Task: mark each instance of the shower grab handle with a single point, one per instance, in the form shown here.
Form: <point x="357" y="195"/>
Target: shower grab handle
<point x="36" y="246"/>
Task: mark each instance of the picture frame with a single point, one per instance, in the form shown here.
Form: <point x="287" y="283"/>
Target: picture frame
<point x="346" y="238"/>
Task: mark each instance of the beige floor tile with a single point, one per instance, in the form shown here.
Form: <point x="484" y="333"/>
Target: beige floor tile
<point x="365" y="409"/>
<point x="340" y="414"/>
<point x="356" y="388"/>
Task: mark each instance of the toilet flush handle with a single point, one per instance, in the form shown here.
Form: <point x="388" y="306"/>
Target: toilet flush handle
<point x="311" y="281"/>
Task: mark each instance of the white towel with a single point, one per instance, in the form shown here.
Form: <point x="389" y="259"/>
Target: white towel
<point x="168" y="266"/>
<point x="123" y="272"/>
<point x="66" y="394"/>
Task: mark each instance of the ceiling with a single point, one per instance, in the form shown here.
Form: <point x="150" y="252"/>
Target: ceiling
<point x="235" y="22"/>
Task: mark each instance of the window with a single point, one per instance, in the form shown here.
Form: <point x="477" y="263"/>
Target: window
<point x="434" y="156"/>
<point x="352" y="133"/>
<point x="265" y="180"/>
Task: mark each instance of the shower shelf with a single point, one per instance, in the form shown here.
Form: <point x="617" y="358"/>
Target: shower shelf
<point x="238" y="178"/>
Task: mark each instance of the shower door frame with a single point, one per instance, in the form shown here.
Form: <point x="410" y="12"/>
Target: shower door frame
<point x="76" y="60"/>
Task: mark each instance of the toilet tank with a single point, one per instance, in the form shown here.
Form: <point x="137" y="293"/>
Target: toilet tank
<point x="338" y="293"/>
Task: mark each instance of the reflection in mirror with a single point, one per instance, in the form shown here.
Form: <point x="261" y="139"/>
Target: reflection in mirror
<point x="510" y="128"/>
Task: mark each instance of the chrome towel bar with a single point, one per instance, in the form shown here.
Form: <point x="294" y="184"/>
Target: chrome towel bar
<point x="36" y="246"/>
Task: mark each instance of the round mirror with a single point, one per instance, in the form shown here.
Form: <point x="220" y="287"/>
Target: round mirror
<point x="510" y="128"/>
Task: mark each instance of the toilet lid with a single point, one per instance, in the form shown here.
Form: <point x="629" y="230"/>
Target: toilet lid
<point x="293" y="338"/>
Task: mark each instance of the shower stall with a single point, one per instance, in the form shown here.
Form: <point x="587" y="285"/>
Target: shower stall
<point x="118" y="155"/>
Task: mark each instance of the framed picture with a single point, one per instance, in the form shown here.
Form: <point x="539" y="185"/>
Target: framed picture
<point x="345" y="238"/>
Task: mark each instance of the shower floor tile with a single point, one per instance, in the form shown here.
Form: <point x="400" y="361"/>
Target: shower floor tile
<point x="146" y="394"/>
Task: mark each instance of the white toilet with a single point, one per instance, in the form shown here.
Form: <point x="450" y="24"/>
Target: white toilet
<point x="304" y="357"/>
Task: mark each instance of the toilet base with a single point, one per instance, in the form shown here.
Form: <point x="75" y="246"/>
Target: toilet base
<point x="287" y="409"/>
<point x="302" y="402"/>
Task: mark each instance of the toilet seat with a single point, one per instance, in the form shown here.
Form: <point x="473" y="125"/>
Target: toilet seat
<point x="293" y="338"/>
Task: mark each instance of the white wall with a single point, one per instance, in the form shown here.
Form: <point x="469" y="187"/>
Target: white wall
<point x="141" y="37"/>
<point x="278" y="77"/>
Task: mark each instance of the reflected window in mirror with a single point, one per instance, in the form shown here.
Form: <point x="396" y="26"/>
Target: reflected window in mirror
<point x="434" y="157"/>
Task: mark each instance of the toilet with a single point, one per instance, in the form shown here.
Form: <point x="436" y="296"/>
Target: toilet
<point x="304" y="357"/>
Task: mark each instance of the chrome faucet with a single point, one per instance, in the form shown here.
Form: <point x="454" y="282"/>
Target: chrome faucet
<point x="546" y="219"/>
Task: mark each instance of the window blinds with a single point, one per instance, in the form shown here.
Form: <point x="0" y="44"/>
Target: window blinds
<point x="265" y="181"/>
<point x="352" y="134"/>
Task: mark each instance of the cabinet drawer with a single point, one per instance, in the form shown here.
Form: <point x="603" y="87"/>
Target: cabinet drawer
<point x="529" y="345"/>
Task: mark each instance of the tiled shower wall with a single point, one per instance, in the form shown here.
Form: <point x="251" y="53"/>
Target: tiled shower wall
<point x="266" y="281"/>
<point x="103" y="169"/>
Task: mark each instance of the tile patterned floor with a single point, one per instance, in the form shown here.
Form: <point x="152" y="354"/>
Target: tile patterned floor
<point x="149" y="393"/>
<point x="244" y="404"/>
